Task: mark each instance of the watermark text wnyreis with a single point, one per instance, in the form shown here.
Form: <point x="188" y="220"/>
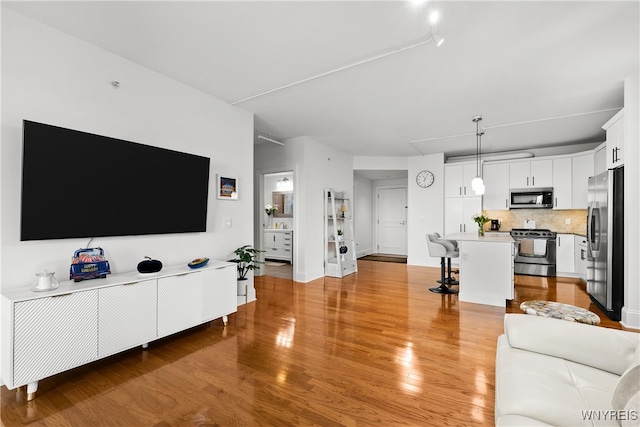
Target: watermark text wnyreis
<point x="610" y="414"/>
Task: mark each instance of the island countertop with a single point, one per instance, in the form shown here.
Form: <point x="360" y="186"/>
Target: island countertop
<point x="473" y="237"/>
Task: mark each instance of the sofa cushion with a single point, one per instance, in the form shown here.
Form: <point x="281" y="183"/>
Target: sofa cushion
<point x="626" y="396"/>
<point x="573" y="341"/>
<point x="547" y="389"/>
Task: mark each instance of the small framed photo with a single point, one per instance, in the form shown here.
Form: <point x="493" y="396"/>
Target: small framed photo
<point x="227" y="187"/>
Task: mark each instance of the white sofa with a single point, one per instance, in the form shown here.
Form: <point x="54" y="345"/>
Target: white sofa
<point x="553" y="372"/>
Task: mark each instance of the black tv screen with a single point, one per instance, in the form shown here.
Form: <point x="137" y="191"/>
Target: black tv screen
<point x="77" y="184"/>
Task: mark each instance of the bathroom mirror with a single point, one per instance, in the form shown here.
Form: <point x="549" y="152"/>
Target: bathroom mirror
<point x="284" y="200"/>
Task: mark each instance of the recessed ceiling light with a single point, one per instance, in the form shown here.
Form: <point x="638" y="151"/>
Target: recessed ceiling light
<point x="434" y="16"/>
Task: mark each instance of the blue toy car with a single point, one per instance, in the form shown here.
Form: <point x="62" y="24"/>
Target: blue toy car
<point x="89" y="263"/>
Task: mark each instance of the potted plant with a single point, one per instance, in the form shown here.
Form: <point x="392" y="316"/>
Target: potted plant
<point x="246" y="260"/>
<point x="340" y="234"/>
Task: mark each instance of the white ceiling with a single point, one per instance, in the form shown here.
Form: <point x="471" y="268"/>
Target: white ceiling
<point x="541" y="73"/>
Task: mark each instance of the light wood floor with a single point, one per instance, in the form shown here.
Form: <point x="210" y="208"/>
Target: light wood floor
<point x="375" y="348"/>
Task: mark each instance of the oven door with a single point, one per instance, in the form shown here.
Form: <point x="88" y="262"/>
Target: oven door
<point x="535" y="251"/>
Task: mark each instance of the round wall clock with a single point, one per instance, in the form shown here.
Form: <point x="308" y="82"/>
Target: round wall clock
<point x="424" y="179"/>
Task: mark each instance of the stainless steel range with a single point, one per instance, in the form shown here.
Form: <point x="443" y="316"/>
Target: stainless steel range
<point x="535" y="252"/>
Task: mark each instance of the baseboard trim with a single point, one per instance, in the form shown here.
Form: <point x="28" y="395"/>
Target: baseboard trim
<point x="630" y="318"/>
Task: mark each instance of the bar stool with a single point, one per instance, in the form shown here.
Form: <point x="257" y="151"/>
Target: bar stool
<point x="443" y="249"/>
<point x="449" y="280"/>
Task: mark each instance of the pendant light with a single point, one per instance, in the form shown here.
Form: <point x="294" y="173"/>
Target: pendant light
<point x="477" y="184"/>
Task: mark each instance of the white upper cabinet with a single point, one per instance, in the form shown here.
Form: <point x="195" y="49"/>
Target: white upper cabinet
<point x="582" y="168"/>
<point x="600" y="159"/>
<point x="615" y="140"/>
<point x="496" y="182"/>
<point x="531" y="174"/>
<point x="562" y="194"/>
<point x="457" y="180"/>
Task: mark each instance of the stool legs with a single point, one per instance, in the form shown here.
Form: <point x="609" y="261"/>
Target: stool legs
<point x="443" y="288"/>
<point x="449" y="280"/>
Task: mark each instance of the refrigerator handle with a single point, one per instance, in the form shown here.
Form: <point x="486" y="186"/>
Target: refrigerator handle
<point x="593" y="230"/>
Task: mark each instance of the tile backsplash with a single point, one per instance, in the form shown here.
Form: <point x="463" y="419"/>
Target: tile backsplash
<point x="554" y="220"/>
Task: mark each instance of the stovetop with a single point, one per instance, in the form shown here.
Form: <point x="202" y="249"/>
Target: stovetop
<point x="536" y="232"/>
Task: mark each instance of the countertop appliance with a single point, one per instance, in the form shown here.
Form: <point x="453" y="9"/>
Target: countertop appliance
<point x="605" y="241"/>
<point x="530" y="198"/>
<point x="495" y="225"/>
<point x="535" y="252"/>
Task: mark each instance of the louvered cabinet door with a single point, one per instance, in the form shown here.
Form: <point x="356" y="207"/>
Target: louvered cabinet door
<point x="179" y="303"/>
<point x="54" y="334"/>
<point x="219" y="292"/>
<point x="128" y="316"/>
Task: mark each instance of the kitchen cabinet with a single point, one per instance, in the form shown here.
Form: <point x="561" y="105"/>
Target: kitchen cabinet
<point x="562" y="192"/>
<point x="580" y="256"/>
<point x="615" y="140"/>
<point x="457" y="180"/>
<point x="565" y="254"/>
<point x="531" y="174"/>
<point x="582" y="167"/>
<point x="496" y="181"/>
<point x="600" y="159"/>
<point x="458" y="213"/>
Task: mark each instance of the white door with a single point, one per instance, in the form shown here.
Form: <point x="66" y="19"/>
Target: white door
<point x="392" y="221"/>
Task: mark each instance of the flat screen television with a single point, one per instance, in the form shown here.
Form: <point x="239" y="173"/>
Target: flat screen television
<point x="77" y="184"/>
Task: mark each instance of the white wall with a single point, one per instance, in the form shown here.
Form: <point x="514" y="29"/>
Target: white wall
<point x="363" y="222"/>
<point x="426" y="208"/>
<point x="631" y="150"/>
<point x="53" y="78"/>
<point x="316" y="167"/>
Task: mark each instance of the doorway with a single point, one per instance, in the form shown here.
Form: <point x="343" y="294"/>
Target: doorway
<point x="277" y="227"/>
<point x="391" y="212"/>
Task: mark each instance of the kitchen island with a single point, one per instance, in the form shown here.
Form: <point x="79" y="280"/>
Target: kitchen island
<point x="486" y="267"/>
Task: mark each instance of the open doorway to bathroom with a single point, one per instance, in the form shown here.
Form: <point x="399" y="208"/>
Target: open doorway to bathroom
<point x="279" y="202"/>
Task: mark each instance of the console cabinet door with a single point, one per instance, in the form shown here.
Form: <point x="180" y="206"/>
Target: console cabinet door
<point x="219" y="292"/>
<point x="54" y="334"/>
<point x="127" y="316"/>
<point x="179" y="303"/>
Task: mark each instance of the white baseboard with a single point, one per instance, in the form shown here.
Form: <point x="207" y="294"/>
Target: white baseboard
<point x="630" y="318"/>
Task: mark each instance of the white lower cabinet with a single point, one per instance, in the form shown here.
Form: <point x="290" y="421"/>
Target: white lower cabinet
<point x="50" y="332"/>
<point x="580" y="257"/>
<point x="218" y="298"/>
<point x="564" y="254"/>
<point x="53" y="335"/>
<point x="179" y="303"/>
<point x="122" y="306"/>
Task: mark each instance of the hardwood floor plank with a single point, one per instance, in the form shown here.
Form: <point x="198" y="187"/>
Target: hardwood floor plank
<point x="373" y="348"/>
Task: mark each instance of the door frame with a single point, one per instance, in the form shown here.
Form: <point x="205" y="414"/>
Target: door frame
<point x="376" y="213"/>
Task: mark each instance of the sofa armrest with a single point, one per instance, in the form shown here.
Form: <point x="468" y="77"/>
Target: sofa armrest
<point x="610" y="350"/>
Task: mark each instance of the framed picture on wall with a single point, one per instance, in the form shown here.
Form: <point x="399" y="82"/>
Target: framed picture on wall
<point x="227" y="187"/>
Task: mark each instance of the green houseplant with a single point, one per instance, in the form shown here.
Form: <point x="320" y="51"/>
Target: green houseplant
<point x="246" y="260"/>
<point x="481" y="219"/>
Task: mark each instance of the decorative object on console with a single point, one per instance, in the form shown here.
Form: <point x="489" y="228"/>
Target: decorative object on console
<point x="198" y="262"/>
<point x="481" y="219"/>
<point x="45" y="282"/>
<point x="149" y="265"/>
<point x="227" y="188"/>
<point x="89" y="263"/>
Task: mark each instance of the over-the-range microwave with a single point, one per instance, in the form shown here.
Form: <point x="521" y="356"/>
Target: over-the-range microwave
<point x="528" y="198"/>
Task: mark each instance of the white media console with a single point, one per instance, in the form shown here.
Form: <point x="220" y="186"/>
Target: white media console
<point x="45" y="333"/>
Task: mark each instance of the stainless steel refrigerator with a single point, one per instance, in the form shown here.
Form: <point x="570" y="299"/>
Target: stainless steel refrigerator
<point x="605" y="237"/>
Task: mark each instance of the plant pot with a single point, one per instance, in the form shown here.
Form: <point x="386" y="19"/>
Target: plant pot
<point x="480" y="231"/>
<point x="242" y="287"/>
